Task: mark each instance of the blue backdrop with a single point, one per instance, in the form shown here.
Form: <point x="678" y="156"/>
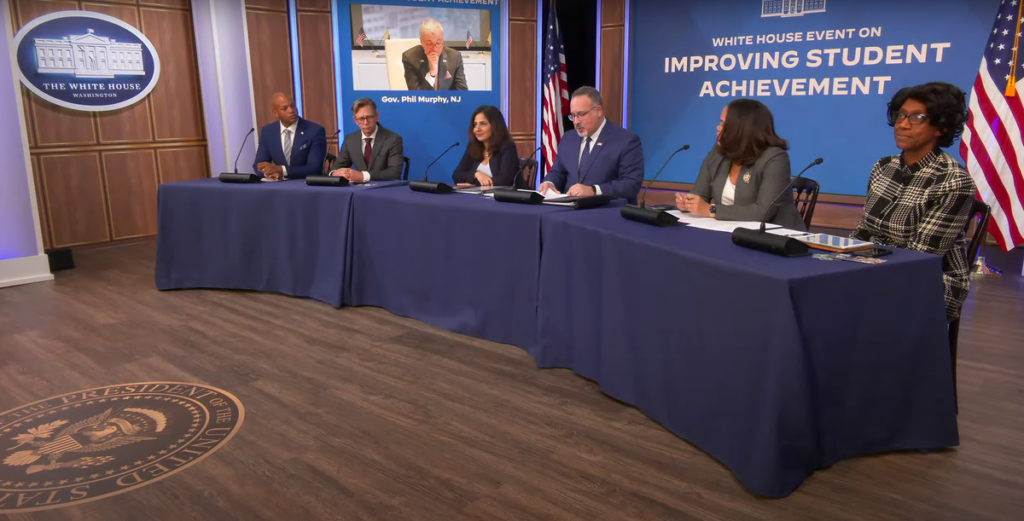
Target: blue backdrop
<point x="677" y="95"/>
<point x="426" y="128"/>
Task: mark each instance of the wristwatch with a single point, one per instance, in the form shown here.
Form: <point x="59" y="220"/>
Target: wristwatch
<point x="712" y="210"/>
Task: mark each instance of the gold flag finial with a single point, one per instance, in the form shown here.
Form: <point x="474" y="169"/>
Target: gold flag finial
<point x="1011" y="84"/>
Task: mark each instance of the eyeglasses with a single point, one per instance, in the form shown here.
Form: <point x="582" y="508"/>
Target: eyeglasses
<point x="579" y="115"/>
<point x="915" y="119"/>
<point x="366" y="119"/>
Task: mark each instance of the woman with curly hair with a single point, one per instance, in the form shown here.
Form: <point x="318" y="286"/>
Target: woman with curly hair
<point x="921" y="199"/>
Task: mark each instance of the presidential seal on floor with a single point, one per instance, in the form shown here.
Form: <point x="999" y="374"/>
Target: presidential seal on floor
<point x="95" y="443"/>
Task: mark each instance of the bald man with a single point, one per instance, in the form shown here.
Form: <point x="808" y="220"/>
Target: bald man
<point x="432" y="66"/>
<point x="291" y="147"/>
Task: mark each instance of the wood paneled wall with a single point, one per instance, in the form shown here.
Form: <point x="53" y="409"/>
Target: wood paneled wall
<point x="96" y="173"/>
<point x="522" y="82"/>
<point x="613" y="39"/>
<point x="270" y="51"/>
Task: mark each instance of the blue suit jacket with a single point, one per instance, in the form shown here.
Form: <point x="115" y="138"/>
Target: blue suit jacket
<point x="616" y="165"/>
<point x="309" y="149"/>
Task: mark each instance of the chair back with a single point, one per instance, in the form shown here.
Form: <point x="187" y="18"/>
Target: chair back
<point x="805" y="195"/>
<point x="983" y="212"/>
<point x="328" y="161"/>
<point x="405" y="168"/>
<point x="529" y="169"/>
<point x="393" y="50"/>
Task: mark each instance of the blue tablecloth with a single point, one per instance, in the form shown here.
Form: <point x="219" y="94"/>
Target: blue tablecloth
<point x="460" y="262"/>
<point x="284" y="237"/>
<point x="776" y="367"/>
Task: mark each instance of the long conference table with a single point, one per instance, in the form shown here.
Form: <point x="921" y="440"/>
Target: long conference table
<point x="776" y="367"/>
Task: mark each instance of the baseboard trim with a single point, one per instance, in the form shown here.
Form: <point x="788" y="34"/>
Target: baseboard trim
<point x="24" y="270"/>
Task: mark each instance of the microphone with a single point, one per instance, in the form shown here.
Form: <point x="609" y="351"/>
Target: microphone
<point x="771" y="243"/>
<point x="641" y="213"/>
<point x="235" y="177"/>
<point x="334" y="135"/>
<point x="513" y="195"/>
<point x="433" y="187"/>
<point x="522" y="167"/>
<point x="324" y="178"/>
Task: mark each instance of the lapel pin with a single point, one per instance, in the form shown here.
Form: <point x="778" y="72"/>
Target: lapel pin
<point x="746" y="177"/>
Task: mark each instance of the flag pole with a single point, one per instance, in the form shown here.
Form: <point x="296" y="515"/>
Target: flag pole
<point x="1011" y="84"/>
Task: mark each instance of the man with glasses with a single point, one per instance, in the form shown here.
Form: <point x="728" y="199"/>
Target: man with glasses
<point x="432" y="66"/>
<point x="600" y="158"/>
<point x="372" y="152"/>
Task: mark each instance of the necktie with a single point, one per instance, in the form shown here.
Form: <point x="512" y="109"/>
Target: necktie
<point x="366" y="152"/>
<point x="288" y="146"/>
<point x="583" y="157"/>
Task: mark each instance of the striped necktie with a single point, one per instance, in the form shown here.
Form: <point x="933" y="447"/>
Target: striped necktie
<point x="288" y="146"/>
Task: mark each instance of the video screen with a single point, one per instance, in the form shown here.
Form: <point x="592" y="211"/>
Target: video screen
<point x="390" y="52"/>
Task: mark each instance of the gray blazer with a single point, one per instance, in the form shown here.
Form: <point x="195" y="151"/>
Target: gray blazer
<point x="756" y="187"/>
<point x="385" y="156"/>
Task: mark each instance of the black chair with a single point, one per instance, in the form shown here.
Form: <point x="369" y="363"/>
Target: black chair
<point x="405" y="168"/>
<point x="328" y="161"/>
<point x="982" y="211"/>
<point x="805" y="195"/>
<point x="529" y="168"/>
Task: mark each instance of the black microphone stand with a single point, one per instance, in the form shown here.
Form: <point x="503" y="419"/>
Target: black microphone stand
<point x="769" y="242"/>
<point x="640" y="213"/>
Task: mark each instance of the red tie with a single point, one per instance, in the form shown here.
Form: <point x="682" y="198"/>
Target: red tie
<point x="366" y="152"/>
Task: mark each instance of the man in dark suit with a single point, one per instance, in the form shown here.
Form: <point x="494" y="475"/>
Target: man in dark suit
<point x="600" y="158"/>
<point x="291" y="147"/>
<point x="431" y="65"/>
<point x="372" y="152"/>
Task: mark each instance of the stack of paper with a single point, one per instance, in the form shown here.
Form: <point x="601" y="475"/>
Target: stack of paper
<point x="708" y="223"/>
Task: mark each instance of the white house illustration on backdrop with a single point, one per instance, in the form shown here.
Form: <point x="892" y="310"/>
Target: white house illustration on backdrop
<point x="787" y="8"/>
<point x="88" y="56"/>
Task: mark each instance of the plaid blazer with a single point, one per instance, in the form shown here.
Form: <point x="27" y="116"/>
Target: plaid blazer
<point x="923" y="207"/>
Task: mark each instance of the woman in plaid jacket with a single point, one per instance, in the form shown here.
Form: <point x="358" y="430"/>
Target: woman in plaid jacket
<point x="921" y="199"/>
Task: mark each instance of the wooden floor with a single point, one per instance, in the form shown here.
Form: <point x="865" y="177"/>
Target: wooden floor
<point x="356" y="414"/>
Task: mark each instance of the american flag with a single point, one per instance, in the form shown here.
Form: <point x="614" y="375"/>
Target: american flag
<point x="469" y="39"/>
<point x="361" y="37"/>
<point x="556" y="91"/>
<point x="992" y="144"/>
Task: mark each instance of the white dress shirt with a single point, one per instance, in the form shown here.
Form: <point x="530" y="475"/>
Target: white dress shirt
<point x="284" y="168"/>
<point x="728" y="194"/>
<point x="485" y="170"/>
<point x="593" y="141"/>
<point x="362" y="146"/>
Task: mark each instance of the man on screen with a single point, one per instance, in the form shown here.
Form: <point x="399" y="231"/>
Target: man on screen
<point x="431" y="65"/>
<point x="291" y="147"/>
<point x="600" y="158"/>
<point x="372" y="152"/>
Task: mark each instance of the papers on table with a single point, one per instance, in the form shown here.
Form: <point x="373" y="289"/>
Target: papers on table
<point x="708" y="223"/>
<point x="787" y="232"/>
<point x="550" y="194"/>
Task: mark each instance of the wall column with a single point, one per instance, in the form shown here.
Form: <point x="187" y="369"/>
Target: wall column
<point x="21" y="242"/>
<point x="222" y="48"/>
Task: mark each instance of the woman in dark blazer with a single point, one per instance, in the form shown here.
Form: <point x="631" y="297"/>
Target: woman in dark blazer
<point x="491" y="158"/>
<point x="745" y="171"/>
